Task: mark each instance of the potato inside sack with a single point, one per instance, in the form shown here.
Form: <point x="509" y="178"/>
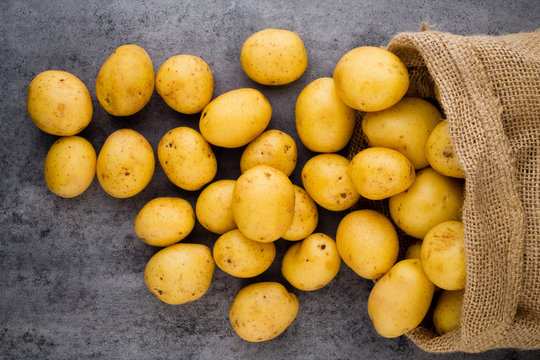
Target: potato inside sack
<point x="440" y="152"/>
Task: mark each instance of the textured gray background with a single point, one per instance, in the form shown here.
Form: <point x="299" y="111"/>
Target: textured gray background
<point x="72" y="269"/>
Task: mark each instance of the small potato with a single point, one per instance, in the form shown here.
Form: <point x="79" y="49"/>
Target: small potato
<point x="312" y="263"/>
<point x="306" y="216"/>
<point x="214" y="207"/>
<point x="186" y="83"/>
<point x="70" y="166"/>
<point x="180" y="273"/>
<point x="326" y="180"/>
<point x="125" y="81"/>
<point x="235" y="118"/>
<point x="447" y="312"/>
<point x="370" y="79"/>
<point x="59" y="103"/>
<point x="262" y="311"/>
<point x="378" y="173"/>
<point x="368" y="243"/>
<point x="164" y="221"/>
<point x="440" y="152"/>
<point x="125" y="164"/>
<point x="186" y="158"/>
<point x="323" y="122"/>
<point x="273" y="148"/>
<point x="274" y="57"/>
<point x="414" y="251"/>
<point x="241" y="257"/>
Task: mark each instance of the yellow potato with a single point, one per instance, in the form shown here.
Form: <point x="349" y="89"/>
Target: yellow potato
<point x="186" y="83"/>
<point x="447" y="312"/>
<point x="370" y="79"/>
<point x="186" y="158"/>
<point x="306" y="216"/>
<point x="214" y="207"/>
<point x="323" y="122"/>
<point x="70" y="166"/>
<point x="430" y="200"/>
<point x="59" y="103"/>
<point x="262" y="311"/>
<point x="326" y="180"/>
<point x="378" y="173"/>
<point x="180" y="273"/>
<point x="273" y="148"/>
<point x="312" y="263"/>
<point x="125" y="164"/>
<point x="404" y="127"/>
<point x="164" y="221"/>
<point x="400" y="299"/>
<point x="263" y="203"/>
<point x="440" y="152"/>
<point x="274" y="57"/>
<point x="368" y="243"/>
<point x="125" y="81"/>
<point x="414" y="251"/>
<point x="241" y="257"/>
<point x="235" y="118"/>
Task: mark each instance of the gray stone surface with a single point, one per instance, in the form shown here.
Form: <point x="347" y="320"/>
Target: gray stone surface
<point x="72" y="269"/>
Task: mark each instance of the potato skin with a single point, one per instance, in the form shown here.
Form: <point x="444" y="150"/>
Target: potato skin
<point x="440" y="152"/>
<point x="447" y="312"/>
<point x="306" y="216"/>
<point x="273" y="148"/>
<point x="214" y="207"/>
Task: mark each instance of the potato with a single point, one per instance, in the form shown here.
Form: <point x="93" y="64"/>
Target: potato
<point x="400" y="299"/>
<point x="440" y="152"/>
<point x="274" y="57"/>
<point x="370" y="79"/>
<point x="378" y="173"/>
<point x="70" y="166"/>
<point x="262" y="311"/>
<point x="263" y="203"/>
<point x="239" y="256"/>
<point x="430" y="200"/>
<point x="367" y="242"/>
<point x="414" y="250"/>
<point x="312" y="263"/>
<point x="59" y="103"/>
<point x="404" y="127"/>
<point x="214" y="207"/>
<point x="125" y="81"/>
<point x="273" y="148"/>
<point x="235" y="118"/>
<point x="180" y="273"/>
<point x="326" y="180"/>
<point x="186" y="158"/>
<point x="186" y="83"/>
<point x="306" y="216"/>
<point x="164" y="221"/>
<point x="323" y="122"/>
<point x="125" y="164"/>
<point x="447" y="312"/>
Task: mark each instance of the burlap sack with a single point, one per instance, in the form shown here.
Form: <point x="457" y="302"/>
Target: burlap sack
<point x="489" y="90"/>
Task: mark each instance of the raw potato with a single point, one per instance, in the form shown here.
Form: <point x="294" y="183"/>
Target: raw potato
<point x="378" y="173"/>
<point x="164" y="221"/>
<point x="447" y="312"/>
<point x="274" y="57"/>
<point x="125" y="164"/>
<point x="400" y="299"/>
<point x="59" y="103"/>
<point x="368" y="243"/>
<point x="180" y="273"/>
<point x="312" y="263"/>
<point x="404" y="127"/>
<point x="262" y="311"/>
<point x="306" y="216"/>
<point x="235" y="118"/>
<point x="186" y="158"/>
<point x="323" y="122"/>
<point x="370" y="79"/>
<point x="326" y="180"/>
<point x="70" y="166"/>
<point x="186" y="83"/>
<point x="440" y="152"/>
<point x="214" y="207"/>
<point x="242" y="257"/>
<point x="125" y="81"/>
<point x="273" y="148"/>
<point x="430" y="200"/>
<point x="414" y="251"/>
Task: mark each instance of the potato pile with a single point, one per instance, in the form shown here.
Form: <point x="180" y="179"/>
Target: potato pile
<point x="410" y="162"/>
